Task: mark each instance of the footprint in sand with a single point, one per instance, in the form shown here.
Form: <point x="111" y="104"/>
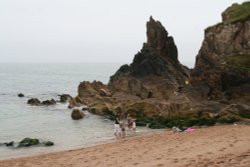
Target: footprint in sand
<point x="219" y="162"/>
<point x="175" y="160"/>
<point x="135" y="164"/>
<point x="158" y="158"/>
<point x="209" y="153"/>
<point x="222" y="149"/>
<point x="160" y="165"/>
<point x="236" y="141"/>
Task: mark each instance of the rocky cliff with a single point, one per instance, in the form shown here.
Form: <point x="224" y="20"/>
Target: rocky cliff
<point x="223" y="62"/>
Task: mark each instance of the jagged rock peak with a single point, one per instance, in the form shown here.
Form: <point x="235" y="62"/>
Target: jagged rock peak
<point x="158" y="39"/>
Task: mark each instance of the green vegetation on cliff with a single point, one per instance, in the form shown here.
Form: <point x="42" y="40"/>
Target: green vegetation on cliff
<point x="237" y="12"/>
<point x="241" y="62"/>
<point x="233" y="14"/>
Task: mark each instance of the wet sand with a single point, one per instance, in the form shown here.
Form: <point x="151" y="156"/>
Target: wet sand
<point x="216" y="146"/>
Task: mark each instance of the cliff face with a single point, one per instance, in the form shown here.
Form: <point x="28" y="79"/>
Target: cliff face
<point x="223" y="62"/>
<point x="157" y="61"/>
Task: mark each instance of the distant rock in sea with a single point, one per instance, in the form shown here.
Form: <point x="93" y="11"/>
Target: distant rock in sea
<point x="20" y="95"/>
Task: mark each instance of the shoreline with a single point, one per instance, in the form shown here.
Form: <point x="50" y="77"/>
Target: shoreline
<point x="213" y="146"/>
<point x="142" y="131"/>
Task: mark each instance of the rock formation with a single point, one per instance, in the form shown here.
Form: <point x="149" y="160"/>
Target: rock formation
<point x="217" y="90"/>
<point x="154" y="67"/>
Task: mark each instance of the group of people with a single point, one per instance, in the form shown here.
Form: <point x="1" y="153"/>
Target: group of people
<point x="121" y="124"/>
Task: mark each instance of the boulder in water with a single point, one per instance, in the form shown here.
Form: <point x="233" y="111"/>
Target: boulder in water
<point x="48" y="143"/>
<point x="77" y="114"/>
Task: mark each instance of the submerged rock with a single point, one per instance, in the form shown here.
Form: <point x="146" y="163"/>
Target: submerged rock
<point x="34" y="101"/>
<point x="9" y="144"/>
<point x="49" y="102"/>
<point x="26" y="142"/>
<point x="48" y="143"/>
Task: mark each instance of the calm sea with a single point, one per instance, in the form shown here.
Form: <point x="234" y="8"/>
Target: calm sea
<point x="45" y="81"/>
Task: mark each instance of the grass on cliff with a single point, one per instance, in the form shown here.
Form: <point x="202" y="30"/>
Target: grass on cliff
<point x="240" y="62"/>
<point x="238" y="12"/>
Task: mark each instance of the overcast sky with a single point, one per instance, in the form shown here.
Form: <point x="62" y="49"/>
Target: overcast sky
<point x="100" y="31"/>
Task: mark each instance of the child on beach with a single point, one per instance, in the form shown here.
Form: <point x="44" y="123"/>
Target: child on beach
<point x="131" y="123"/>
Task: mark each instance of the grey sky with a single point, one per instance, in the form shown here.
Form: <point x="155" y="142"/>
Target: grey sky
<point x="99" y="31"/>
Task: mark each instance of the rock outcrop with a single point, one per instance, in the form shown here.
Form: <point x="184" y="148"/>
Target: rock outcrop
<point x="157" y="89"/>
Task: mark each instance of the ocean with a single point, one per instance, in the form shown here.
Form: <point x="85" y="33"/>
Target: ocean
<point x="45" y="81"/>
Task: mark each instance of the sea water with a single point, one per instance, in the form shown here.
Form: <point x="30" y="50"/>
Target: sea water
<point x="45" y="81"/>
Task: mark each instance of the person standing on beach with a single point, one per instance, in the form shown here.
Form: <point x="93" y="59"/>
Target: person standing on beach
<point x="117" y="128"/>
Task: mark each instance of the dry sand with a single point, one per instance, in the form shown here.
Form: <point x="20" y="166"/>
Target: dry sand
<point x="215" y="146"/>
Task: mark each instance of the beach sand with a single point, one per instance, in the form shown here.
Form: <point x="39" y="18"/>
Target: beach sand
<point x="214" y="146"/>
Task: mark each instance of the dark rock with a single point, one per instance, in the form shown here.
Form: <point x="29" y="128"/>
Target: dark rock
<point x="20" y="95"/>
<point x="34" y="101"/>
<point x="85" y="108"/>
<point x="48" y="143"/>
<point x="156" y="66"/>
<point x="159" y="40"/>
<point x="64" y="98"/>
<point x="26" y="142"/>
<point x="77" y="114"/>
<point x="9" y="144"/>
<point x="49" y="102"/>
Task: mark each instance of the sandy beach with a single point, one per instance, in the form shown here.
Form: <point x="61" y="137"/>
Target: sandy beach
<point x="214" y="146"/>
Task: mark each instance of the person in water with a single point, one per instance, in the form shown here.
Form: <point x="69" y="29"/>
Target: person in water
<point x="117" y="128"/>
